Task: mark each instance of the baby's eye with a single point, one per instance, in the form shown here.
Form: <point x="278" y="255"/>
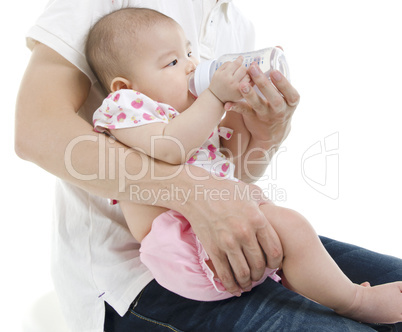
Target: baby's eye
<point x="190" y="54"/>
<point x="173" y="63"/>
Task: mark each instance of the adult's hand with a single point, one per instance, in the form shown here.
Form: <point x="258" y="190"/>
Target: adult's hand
<point x="268" y="117"/>
<point x="236" y="235"/>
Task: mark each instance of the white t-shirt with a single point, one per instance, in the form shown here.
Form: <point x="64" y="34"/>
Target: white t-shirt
<point x="94" y="256"/>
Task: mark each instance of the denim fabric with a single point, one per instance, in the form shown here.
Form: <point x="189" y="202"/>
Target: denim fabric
<point x="267" y="307"/>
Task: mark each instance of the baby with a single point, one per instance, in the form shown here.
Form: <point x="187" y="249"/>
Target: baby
<point x="144" y="60"/>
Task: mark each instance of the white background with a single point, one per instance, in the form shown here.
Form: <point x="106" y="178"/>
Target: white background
<point x="345" y="60"/>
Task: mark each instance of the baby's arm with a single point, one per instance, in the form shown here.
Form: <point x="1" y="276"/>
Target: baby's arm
<point x="176" y="141"/>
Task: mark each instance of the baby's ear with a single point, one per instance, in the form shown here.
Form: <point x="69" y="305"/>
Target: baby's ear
<point x="120" y="83"/>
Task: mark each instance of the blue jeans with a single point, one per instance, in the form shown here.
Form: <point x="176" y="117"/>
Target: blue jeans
<point x="267" y="307"/>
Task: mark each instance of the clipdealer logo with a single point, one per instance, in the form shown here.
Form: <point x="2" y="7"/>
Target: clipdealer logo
<point x="320" y="166"/>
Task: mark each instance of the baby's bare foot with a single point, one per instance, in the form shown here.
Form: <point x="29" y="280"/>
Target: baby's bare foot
<point x="378" y="304"/>
<point x="365" y="284"/>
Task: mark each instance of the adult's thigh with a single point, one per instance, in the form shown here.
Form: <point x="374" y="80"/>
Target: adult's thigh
<point x="268" y="307"/>
<point x="362" y="265"/>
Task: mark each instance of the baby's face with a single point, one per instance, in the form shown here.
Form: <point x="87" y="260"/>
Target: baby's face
<point x="163" y="64"/>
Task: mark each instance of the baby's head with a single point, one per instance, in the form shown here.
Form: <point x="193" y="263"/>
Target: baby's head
<point x="143" y="50"/>
<point x="115" y="39"/>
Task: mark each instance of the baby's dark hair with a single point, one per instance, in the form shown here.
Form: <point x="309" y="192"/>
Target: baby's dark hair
<point x="107" y="41"/>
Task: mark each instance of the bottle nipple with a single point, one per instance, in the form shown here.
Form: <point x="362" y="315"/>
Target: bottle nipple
<point x="191" y="85"/>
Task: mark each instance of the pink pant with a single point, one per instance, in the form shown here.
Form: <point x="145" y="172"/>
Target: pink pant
<point x="176" y="258"/>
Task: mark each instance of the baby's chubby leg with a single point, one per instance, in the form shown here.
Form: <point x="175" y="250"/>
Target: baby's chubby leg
<point x="310" y="271"/>
<point x="140" y="217"/>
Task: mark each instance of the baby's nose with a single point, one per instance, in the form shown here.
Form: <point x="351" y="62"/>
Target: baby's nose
<point x="190" y="66"/>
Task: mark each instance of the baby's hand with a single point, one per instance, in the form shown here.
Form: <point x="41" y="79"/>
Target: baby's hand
<point x="225" y="83"/>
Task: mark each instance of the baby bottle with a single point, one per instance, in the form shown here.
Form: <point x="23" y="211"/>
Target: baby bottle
<point x="268" y="59"/>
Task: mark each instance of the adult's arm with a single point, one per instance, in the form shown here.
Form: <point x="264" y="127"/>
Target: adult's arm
<point x="50" y="133"/>
<point x="47" y="126"/>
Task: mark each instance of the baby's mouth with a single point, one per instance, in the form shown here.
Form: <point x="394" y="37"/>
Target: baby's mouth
<point x="192" y="95"/>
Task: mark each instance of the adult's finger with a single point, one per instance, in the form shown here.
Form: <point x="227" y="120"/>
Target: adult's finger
<point x="271" y="245"/>
<point x="272" y="97"/>
<point x="256" y="261"/>
<point x="268" y="243"/>
<point x="248" y="263"/>
<point x="250" y="95"/>
<point x="231" y="240"/>
<point x="224" y="272"/>
<point x="241" y="269"/>
<point x="241" y="107"/>
<point x="289" y="93"/>
<point x="239" y="242"/>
